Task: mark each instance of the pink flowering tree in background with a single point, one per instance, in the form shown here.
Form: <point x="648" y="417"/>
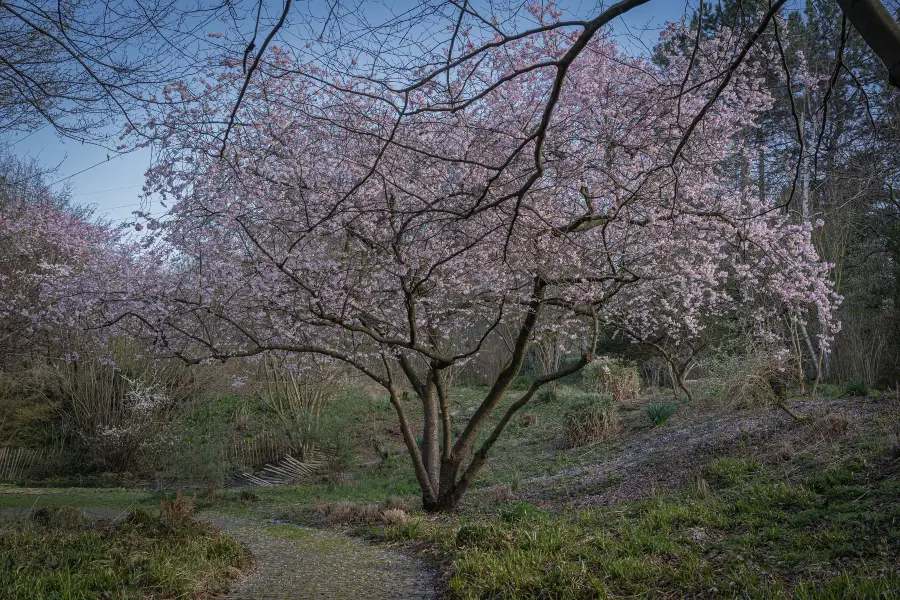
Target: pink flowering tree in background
<point x="552" y="187"/>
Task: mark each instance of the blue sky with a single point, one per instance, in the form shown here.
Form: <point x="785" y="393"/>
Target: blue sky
<point x="113" y="186"/>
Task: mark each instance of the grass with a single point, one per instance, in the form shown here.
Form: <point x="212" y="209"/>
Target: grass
<point x="139" y="558"/>
<point x="816" y="518"/>
<point x="12" y="497"/>
<point x="834" y="535"/>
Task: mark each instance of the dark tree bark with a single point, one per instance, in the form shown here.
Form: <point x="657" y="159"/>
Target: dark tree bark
<point x="879" y="30"/>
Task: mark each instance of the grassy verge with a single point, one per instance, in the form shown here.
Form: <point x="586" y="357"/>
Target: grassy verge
<point x="60" y="555"/>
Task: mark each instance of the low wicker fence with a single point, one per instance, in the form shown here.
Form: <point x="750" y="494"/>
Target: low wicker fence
<point x="16" y="463"/>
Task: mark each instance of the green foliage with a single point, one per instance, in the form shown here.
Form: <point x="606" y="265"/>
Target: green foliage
<point x="857" y="388"/>
<point x="659" y="412"/>
<point x="591" y="418"/>
<point x="140" y="558"/>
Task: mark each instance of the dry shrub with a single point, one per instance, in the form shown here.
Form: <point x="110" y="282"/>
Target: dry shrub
<point x="178" y="513"/>
<point x="395" y="516"/>
<point x="612" y="376"/>
<point x="344" y="512"/>
<point x="592" y="418"/>
<point x="759" y="378"/>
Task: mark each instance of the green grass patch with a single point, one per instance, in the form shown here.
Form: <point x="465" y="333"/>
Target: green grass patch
<point x="758" y="536"/>
<point x="140" y="558"/>
<point x="16" y="497"/>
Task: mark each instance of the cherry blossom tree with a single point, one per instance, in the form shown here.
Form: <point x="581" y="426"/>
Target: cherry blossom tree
<point x="395" y="230"/>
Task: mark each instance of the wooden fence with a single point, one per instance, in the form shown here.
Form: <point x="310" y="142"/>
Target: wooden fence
<point x="16" y="462"/>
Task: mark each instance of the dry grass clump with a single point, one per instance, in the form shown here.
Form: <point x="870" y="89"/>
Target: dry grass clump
<point x="502" y="492"/>
<point x="592" y="418"/>
<point x="612" y="376"/>
<point x="759" y="378"/>
<point x="827" y="428"/>
<point x="528" y="419"/>
<point x="345" y="512"/>
<point x="394" y="516"/>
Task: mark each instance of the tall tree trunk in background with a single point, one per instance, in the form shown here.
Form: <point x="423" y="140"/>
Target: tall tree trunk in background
<point x="879" y="30"/>
<point x="804" y="216"/>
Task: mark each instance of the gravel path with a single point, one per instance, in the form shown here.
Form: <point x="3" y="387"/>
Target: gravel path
<point x="300" y="563"/>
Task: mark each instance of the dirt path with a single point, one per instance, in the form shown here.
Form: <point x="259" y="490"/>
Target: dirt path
<point x="300" y="563"/>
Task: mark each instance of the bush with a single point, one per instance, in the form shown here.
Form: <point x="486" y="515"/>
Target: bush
<point x="612" y="376"/>
<point x="857" y="388"/>
<point x="659" y="412"/>
<point x="591" y="418"/>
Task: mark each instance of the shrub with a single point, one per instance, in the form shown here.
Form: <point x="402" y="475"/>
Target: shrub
<point x="857" y="388"/>
<point x="612" y="376"/>
<point x="828" y="390"/>
<point x="591" y="418"/>
<point x="117" y="412"/>
<point x="659" y="412"/>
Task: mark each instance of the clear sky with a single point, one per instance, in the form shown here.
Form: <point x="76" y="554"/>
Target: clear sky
<point x="114" y="186"/>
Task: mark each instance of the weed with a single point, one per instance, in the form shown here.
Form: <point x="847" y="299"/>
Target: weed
<point x="63" y="517"/>
<point x="659" y="412"/>
<point x="178" y="514"/>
